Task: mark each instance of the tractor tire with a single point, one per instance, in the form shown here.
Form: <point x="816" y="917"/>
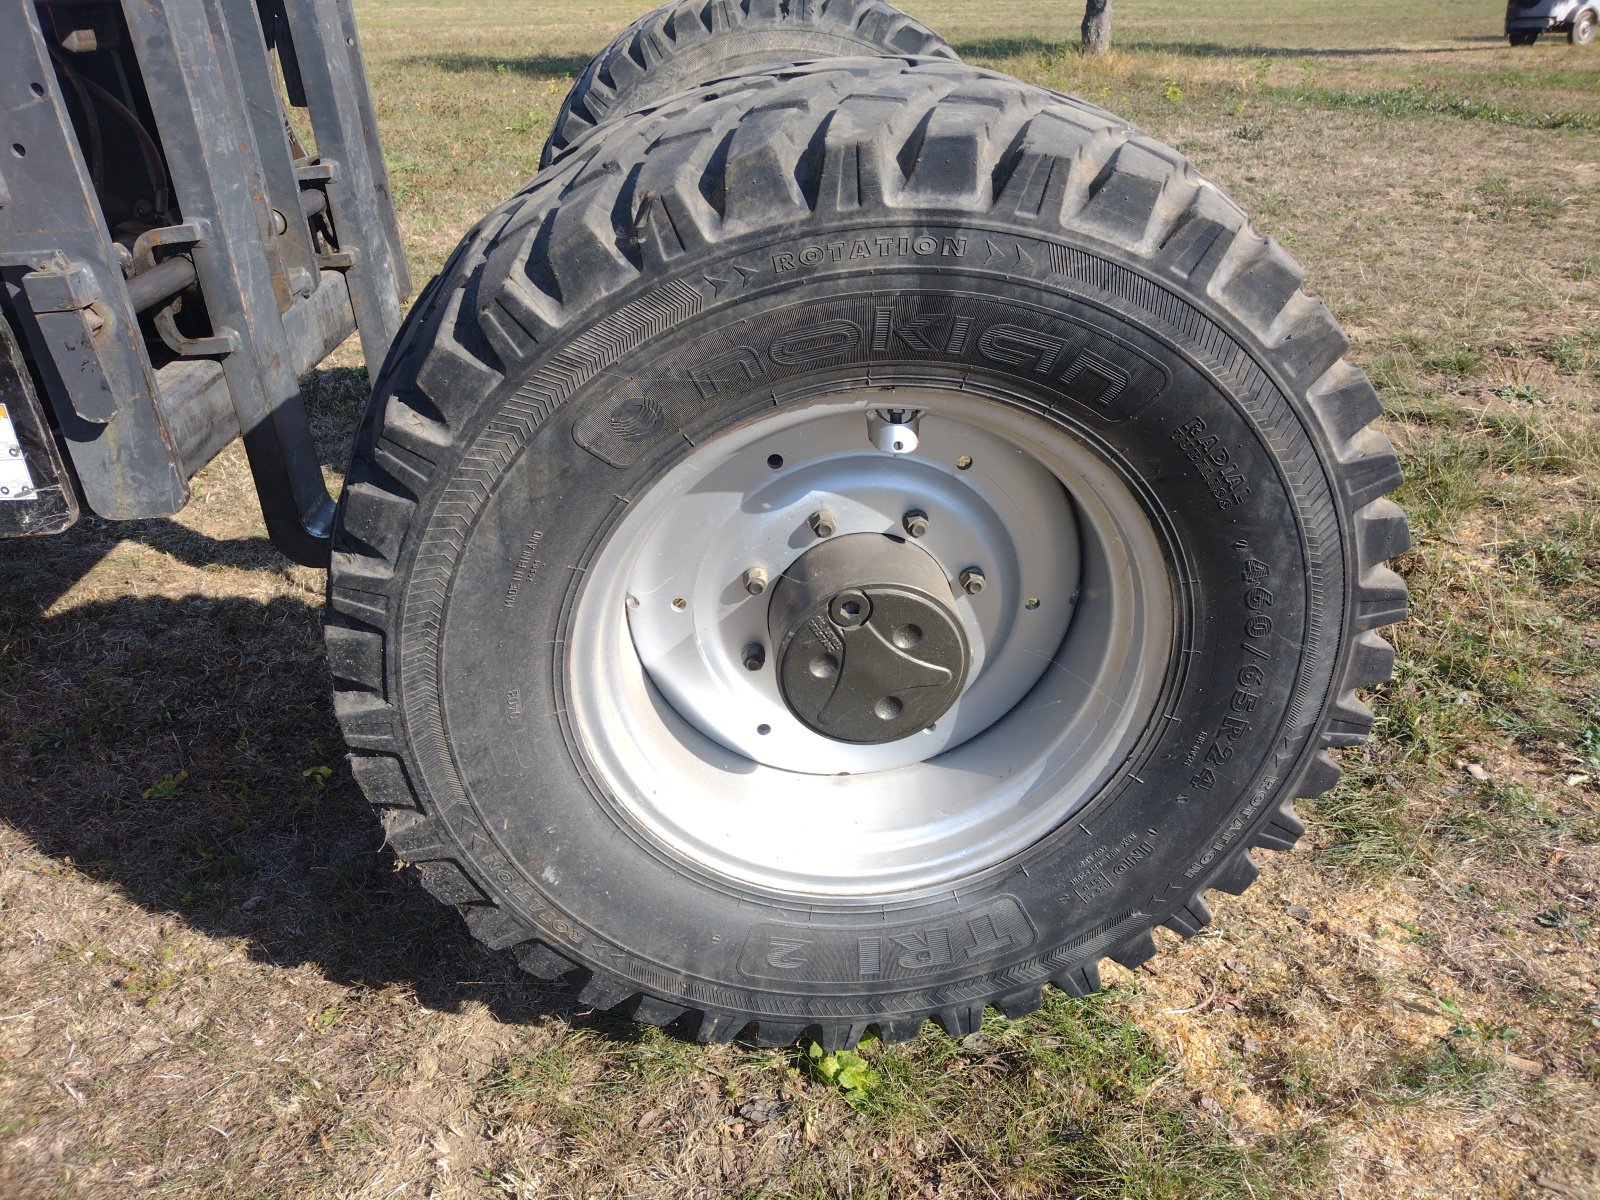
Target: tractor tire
<point x="698" y="436"/>
<point x="1583" y="28"/>
<point x="686" y="43"/>
<point x="1523" y="37"/>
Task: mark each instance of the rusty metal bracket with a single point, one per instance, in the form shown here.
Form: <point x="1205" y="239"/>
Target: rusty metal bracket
<point x="222" y="340"/>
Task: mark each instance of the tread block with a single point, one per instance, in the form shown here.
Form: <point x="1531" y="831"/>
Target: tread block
<point x="1196" y="245"/>
<point x="449" y="883"/>
<point x="382" y="779"/>
<point x="366" y="722"/>
<point x="943" y="158"/>
<point x="1020" y="1002"/>
<point x="1381" y="532"/>
<point x="960" y="1020"/>
<point x="371" y="608"/>
<point x="355" y="656"/>
<point x="452" y="377"/>
<point x="581" y="254"/>
<point x="604" y="992"/>
<point x="1281" y="831"/>
<point x="1320" y="775"/>
<point x="1382" y="599"/>
<point x="1344" y="402"/>
<point x="1349" y="721"/>
<point x="758" y="186"/>
<point x="1371" y="661"/>
<point x="774" y="1034"/>
<point x="649" y="1010"/>
<point x="412" y="421"/>
<point x="1368" y="467"/>
<point x="365" y="718"/>
<point x="407" y="470"/>
<point x="1136" y="950"/>
<point x="538" y="960"/>
<point x="900" y="1029"/>
<point x="376" y="521"/>
<point x="714" y="1028"/>
<point x="1082" y="980"/>
<point x="1122" y="198"/>
<point x="669" y="216"/>
<point x="1190" y="919"/>
<point x="1235" y="875"/>
<point x="1307" y="338"/>
<point x="521" y="318"/>
<point x="353" y="563"/>
<point x="1034" y="174"/>
<point x="1255" y="281"/>
<point x="855" y="155"/>
<point x="836" y="1035"/>
<point x="414" y="838"/>
<point x="495" y="927"/>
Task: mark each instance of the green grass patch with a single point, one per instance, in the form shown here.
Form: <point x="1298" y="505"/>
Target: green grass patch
<point x="1426" y="102"/>
<point x="1444" y="1069"/>
<point x="1065" y="1102"/>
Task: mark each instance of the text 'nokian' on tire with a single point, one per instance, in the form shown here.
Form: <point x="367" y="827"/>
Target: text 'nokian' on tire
<point x="857" y="544"/>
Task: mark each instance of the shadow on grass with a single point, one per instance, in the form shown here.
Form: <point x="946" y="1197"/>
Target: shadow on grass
<point x="184" y="750"/>
<point x="1010" y="47"/>
<point x="564" y="66"/>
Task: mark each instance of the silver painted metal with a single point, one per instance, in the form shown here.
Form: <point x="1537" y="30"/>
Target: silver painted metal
<point x="894" y="430"/>
<point x="1070" y="641"/>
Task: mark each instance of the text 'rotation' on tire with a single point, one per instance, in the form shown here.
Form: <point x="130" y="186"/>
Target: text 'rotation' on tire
<point x="853" y="545"/>
<point x="685" y="43"/>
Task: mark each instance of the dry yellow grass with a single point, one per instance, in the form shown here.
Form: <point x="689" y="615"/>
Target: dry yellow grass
<point x="213" y="982"/>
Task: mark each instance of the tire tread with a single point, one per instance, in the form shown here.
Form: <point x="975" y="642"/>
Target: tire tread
<point x="832" y="137"/>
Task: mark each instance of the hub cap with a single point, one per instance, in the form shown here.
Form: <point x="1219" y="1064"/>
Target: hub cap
<point x="779" y="684"/>
<point x="870" y="649"/>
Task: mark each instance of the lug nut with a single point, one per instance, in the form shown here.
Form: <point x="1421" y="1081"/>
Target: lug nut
<point x="972" y="581"/>
<point x="755" y="656"/>
<point x="915" y="522"/>
<point x="755" y="580"/>
<point x="823" y="523"/>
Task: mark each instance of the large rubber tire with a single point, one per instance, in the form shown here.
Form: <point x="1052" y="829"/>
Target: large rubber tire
<point x="1523" y="37"/>
<point x="685" y="43"/>
<point x="724" y="261"/>
<point x="1583" y="27"/>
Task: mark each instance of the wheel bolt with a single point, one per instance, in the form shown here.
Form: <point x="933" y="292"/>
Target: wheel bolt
<point x="915" y="522"/>
<point x="755" y="656"/>
<point x="823" y="523"/>
<point x="755" y="580"/>
<point x="972" y="581"/>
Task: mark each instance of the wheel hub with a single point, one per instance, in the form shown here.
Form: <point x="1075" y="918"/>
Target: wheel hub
<point x="1031" y="570"/>
<point x="869" y="647"/>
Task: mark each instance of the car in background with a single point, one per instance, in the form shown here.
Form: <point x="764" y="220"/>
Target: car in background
<point x="1527" y="19"/>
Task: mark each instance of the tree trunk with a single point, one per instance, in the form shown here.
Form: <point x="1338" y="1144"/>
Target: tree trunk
<point x="1096" y="26"/>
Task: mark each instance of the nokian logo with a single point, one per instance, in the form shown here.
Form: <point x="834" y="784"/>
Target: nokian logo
<point x="1061" y="354"/>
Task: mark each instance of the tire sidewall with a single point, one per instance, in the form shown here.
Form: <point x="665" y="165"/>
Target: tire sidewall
<point x="1231" y="476"/>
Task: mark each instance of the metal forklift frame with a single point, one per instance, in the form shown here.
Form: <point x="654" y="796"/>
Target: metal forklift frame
<point x="275" y="257"/>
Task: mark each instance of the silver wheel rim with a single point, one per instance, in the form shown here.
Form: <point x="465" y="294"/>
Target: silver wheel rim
<point x="1071" y="640"/>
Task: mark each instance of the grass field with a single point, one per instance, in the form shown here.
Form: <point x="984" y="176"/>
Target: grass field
<point x="214" y="982"/>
